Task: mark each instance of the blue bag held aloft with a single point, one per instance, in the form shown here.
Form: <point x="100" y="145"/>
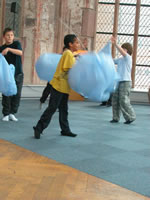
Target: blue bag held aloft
<point x="46" y="65"/>
<point x="7" y="82"/>
<point x="94" y="75"/>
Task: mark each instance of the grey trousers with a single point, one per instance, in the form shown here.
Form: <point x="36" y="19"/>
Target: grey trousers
<point x="121" y="102"/>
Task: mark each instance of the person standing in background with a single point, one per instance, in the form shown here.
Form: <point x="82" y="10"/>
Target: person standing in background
<point x="12" y="51"/>
<point x="121" y="96"/>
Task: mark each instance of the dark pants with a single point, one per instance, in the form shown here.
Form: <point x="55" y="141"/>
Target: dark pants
<point x="11" y="103"/>
<point x="57" y="100"/>
<point x="107" y="103"/>
<point x="46" y="93"/>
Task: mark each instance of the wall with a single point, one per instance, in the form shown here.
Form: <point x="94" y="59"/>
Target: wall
<point x="44" y="24"/>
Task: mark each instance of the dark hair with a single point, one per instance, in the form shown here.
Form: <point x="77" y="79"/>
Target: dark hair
<point x="70" y="38"/>
<point x="128" y="47"/>
<point x="7" y="30"/>
<point x="64" y="48"/>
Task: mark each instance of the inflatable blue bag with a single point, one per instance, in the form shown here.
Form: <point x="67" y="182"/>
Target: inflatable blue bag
<point x="7" y="81"/>
<point x="108" y="69"/>
<point x="46" y="65"/>
<point x="94" y="75"/>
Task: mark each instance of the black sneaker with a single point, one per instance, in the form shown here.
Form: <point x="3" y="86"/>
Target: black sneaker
<point x="70" y="134"/>
<point x="109" y="104"/>
<point x="114" y="121"/>
<point x="103" y="103"/>
<point x="36" y="133"/>
<point x="128" y="122"/>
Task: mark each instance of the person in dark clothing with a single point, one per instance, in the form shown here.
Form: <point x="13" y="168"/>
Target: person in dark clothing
<point x="12" y="51"/>
<point x="107" y="103"/>
<point x="46" y="92"/>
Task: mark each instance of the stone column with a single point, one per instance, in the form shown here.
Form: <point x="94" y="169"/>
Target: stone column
<point x="29" y="23"/>
<point x="83" y="21"/>
<point x="2" y="18"/>
<point x="61" y="13"/>
<point x="36" y="40"/>
<point x="89" y="22"/>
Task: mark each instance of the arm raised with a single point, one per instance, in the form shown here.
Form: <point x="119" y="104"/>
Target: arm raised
<point x="120" y="49"/>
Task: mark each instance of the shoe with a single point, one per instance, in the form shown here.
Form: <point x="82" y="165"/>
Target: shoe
<point x="13" y="118"/>
<point x="103" y="103"/>
<point x="70" y="134"/>
<point x="128" y="121"/>
<point x="36" y="133"/>
<point x="5" y="118"/>
<point x="114" y="121"/>
<point x="109" y="104"/>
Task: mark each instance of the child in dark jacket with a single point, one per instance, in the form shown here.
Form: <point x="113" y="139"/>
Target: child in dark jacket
<point x="12" y="51"/>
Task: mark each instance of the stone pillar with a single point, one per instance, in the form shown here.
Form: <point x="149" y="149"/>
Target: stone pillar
<point x="36" y="40"/>
<point x="77" y="17"/>
<point x="83" y="21"/>
<point x="62" y="14"/>
<point x="2" y="18"/>
<point x="38" y="33"/>
<point x="89" y="22"/>
<point x="29" y="23"/>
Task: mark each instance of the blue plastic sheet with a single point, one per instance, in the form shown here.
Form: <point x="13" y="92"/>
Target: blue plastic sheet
<point x="94" y="75"/>
<point x="46" y="65"/>
<point x="7" y="81"/>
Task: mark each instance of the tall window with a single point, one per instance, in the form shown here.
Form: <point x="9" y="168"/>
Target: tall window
<point x="125" y="33"/>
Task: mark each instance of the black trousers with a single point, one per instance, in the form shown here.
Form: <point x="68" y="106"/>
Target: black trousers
<point x="46" y="93"/>
<point x="57" y="100"/>
<point x="11" y="103"/>
<point x="109" y="102"/>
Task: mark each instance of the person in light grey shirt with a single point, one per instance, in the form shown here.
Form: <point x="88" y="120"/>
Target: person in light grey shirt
<point x="121" y="96"/>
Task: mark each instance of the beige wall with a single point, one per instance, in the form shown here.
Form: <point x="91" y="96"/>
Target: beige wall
<point x="44" y="24"/>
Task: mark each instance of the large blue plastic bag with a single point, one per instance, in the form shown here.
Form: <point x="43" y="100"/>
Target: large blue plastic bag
<point x="46" y="65"/>
<point x="108" y="69"/>
<point x="7" y="81"/>
<point x="94" y="75"/>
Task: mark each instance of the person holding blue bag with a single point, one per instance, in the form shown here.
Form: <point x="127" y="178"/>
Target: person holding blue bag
<point x="60" y="91"/>
<point x="12" y="51"/>
<point x="121" y="96"/>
